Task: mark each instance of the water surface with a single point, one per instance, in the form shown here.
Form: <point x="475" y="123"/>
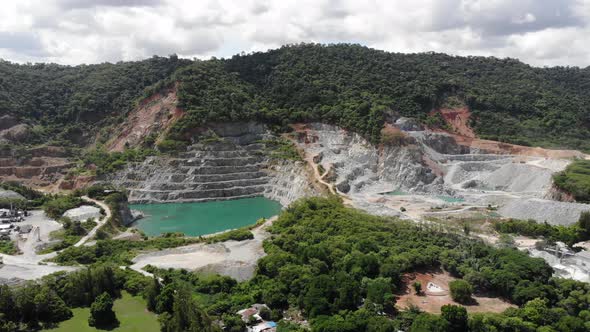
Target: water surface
<point x="196" y="219"/>
<point x="451" y="199"/>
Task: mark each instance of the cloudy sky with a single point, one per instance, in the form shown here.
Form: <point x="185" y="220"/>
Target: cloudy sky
<point x="539" y="32"/>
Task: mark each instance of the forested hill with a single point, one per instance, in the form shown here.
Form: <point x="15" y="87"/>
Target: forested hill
<point x="354" y="86"/>
<point x="349" y="85"/>
<point x="65" y="104"/>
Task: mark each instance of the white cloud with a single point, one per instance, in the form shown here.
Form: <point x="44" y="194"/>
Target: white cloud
<point x="540" y="32"/>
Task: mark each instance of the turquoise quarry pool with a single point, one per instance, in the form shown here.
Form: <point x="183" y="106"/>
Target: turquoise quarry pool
<point x="196" y="219"/>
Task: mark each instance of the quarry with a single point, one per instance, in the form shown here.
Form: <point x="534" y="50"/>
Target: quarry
<point x="419" y="174"/>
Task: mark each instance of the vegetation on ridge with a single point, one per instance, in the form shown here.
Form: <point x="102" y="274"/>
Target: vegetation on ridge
<point x="575" y="180"/>
<point x="352" y="86"/>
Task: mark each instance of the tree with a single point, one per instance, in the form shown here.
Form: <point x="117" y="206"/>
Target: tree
<point x="429" y="323"/>
<point x="417" y="287"/>
<point x="570" y="324"/>
<point x="50" y="307"/>
<point x="165" y="300"/>
<point x="26" y="306"/>
<point x="101" y="312"/>
<point x="461" y="291"/>
<point x="233" y="323"/>
<point x="584" y="223"/>
<point x="151" y="294"/>
<point x="186" y="314"/>
<point x="456" y="316"/>
<point x="7" y="303"/>
<point x="379" y="294"/>
<point x="265" y="313"/>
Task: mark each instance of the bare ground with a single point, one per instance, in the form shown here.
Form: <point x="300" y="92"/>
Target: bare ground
<point x="432" y="302"/>
<point x="236" y="259"/>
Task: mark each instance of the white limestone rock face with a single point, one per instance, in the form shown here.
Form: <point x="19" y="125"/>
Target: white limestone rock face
<point x="288" y="182"/>
<point x="361" y="167"/>
<point x="235" y="165"/>
<point x="83" y="213"/>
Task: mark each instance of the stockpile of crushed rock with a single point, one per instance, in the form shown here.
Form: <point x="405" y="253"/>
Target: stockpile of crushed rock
<point x="553" y="212"/>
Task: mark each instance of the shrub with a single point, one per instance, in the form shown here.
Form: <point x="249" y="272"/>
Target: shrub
<point x="55" y="207"/>
<point x="461" y="291"/>
<point x="417" y="287"/>
<point x="101" y="312"/>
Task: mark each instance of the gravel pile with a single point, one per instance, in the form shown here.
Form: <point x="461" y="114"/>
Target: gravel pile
<point x="553" y="212"/>
<point x="83" y="213"/>
<point x="514" y="177"/>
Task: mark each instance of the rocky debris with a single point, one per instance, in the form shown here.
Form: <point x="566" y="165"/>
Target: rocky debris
<point x="360" y="166"/>
<point x="408" y="124"/>
<point x="127" y="216"/>
<point x="83" y="213"/>
<point x="9" y="194"/>
<point x="440" y="142"/>
<point x="288" y="182"/>
<point x="318" y="157"/>
<point x="343" y="187"/>
<point x="557" y="194"/>
<point x="17" y="133"/>
<point x="331" y="174"/>
<point x="153" y="116"/>
<point x="541" y="210"/>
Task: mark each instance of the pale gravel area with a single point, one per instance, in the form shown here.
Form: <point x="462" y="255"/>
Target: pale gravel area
<point x="29" y="265"/>
<point x="40" y="235"/>
<point x="236" y="259"/>
<point x="541" y="210"/>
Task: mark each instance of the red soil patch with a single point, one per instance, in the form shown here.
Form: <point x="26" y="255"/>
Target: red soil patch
<point x="458" y="119"/>
<point x="155" y="114"/>
<point x="78" y="182"/>
<point x="506" y="148"/>
<point x="432" y="302"/>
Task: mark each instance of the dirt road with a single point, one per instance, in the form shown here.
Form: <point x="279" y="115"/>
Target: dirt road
<point x="99" y="223"/>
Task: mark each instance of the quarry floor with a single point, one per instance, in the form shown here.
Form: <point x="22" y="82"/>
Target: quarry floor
<point x="236" y="259"/>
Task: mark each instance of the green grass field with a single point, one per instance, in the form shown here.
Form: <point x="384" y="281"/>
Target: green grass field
<point x="131" y="312"/>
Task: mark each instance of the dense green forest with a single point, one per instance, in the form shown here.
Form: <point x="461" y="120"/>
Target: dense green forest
<point x="342" y="269"/>
<point x="357" y="88"/>
<point x="70" y="105"/>
<point x="349" y="85"/>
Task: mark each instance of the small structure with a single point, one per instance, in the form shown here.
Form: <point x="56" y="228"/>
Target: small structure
<point x="265" y="327"/>
<point x="5" y="229"/>
<point x="253" y="314"/>
<point x="253" y="311"/>
<point x="6" y="226"/>
<point x="83" y="213"/>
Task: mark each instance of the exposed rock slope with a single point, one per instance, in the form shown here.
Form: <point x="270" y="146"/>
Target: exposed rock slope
<point x="232" y="165"/>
